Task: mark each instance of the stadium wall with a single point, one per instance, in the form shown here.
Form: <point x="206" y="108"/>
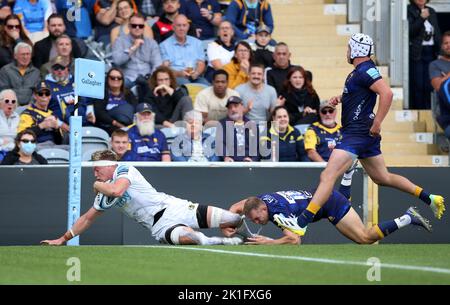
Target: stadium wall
<point x="33" y="201"/>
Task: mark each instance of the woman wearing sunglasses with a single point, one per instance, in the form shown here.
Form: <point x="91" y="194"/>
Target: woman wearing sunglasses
<point x="9" y="120"/>
<point x="24" y="153"/>
<point x="117" y="109"/>
<point x="11" y="34"/>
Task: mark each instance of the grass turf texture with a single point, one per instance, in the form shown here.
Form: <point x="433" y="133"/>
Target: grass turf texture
<point x="153" y="265"/>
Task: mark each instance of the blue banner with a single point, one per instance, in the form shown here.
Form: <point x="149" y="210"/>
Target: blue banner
<point x="89" y="78"/>
<point x="73" y="212"/>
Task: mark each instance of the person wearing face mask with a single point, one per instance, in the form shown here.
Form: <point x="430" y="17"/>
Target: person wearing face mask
<point x="24" y="152"/>
<point x="322" y="136"/>
<point x="9" y="120"/>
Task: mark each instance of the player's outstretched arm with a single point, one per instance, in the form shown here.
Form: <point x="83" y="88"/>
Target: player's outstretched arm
<point x="81" y="225"/>
<point x="289" y="238"/>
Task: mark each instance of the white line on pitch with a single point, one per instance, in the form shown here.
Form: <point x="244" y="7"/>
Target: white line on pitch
<point x="308" y="259"/>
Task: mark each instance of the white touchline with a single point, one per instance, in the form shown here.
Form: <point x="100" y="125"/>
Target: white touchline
<point x="308" y="259"/>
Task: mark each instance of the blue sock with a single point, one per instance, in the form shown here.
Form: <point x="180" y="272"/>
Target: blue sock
<point x="345" y="190"/>
<point x="305" y="218"/>
<point x="425" y="197"/>
<point x="388" y="227"/>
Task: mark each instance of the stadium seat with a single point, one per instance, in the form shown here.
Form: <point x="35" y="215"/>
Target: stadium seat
<point x="193" y="89"/>
<point x="172" y="133"/>
<point x="86" y="156"/>
<point x="94" y="138"/>
<point x="55" y="155"/>
<point x="302" y="128"/>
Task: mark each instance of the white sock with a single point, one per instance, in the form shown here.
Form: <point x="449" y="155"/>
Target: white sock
<point x="403" y="221"/>
<point x="202" y="239"/>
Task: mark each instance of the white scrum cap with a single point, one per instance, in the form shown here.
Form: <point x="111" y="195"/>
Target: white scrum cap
<point x="361" y="45"/>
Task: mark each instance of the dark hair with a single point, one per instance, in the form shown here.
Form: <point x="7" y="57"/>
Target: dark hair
<point x="274" y="111"/>
<point x="252" y="203"/>
<point x="446" y="33"/>
<point x="247" y="46"/>
<point x="256" y="65"/>
<point x="122" y="87"/>
<point x="5" y="40"/>
<point x="54" y="16"/>
<point x="308" y="85"/>
<point x="220" y="72"/>
<point x="19" y="137"/>
<point x="162" y="69"/>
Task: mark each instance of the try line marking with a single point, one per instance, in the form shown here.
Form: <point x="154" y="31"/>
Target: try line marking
<point x="307" y="259"/>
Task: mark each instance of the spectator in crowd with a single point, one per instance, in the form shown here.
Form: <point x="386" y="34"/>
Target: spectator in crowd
<point x="204" y="15"/>
<point x="440" y="68"/>
<point x="20" y="75"/>
<point x="33" y="14"/>
<point x="120" y="144"/>
<point x="49" y="130"/>
<point x="64" y="50"/>
<point x="238" y="67"/>
<point x="9" y="121"/>
<point x="277" y="75"/>
<point x="302" y="101"/>
<point x="147" y="143"/>
<point x="162" y="28"/>
<point x="184" y="54"/>
<point x="134" y="54"/>
<point x="321" y="137"/>
<point x="194" y="145"/>
<point x="80" y="27"/>
<point x="259" y="98"/>
<point x="5" y="11"/>
<point x="124" y="12"/>
<point x="24" y="152"/>
<point x="62" y="101"/>
<point x="247" y="15"/>
<point x="237" y="137"/>
<point x="211" y="102"/>
<point x="262" y="49"/>
<point x="439" y="74"/>
<point x="117" y="108"/>
<point x="45" y="50"/>
<point x="10" y="35"/>
<point x="169" y="103"/>
<point x="221" y="51"/>
<point x="284" y="142"/>
<point x="151" y="9"/>
<point x="105" y="12"/>
<point x="424" y="45"/>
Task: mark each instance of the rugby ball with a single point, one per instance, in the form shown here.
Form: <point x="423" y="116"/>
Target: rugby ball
<point x="104" y="202"/>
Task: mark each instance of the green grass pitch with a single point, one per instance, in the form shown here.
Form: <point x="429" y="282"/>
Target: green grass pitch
<point x="331" y="264"/>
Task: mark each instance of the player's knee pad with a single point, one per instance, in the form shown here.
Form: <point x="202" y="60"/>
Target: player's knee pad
<point x="220" y="216"/>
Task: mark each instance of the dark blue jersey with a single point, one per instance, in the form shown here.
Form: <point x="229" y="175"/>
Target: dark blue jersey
<point x="358" y="100"/>
<point x="293" y="203"/>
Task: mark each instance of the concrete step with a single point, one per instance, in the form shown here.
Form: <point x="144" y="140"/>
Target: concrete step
<point x="319" y="30"/>
<point x="291" y="18"/>
<point x="312" y="60"/>
<point x="308" y="40"/>
<point x="415" y="160"/>
<point x="409" y="148"/>
<point x="403" y="126"/>
<point x="403" y="137"/>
